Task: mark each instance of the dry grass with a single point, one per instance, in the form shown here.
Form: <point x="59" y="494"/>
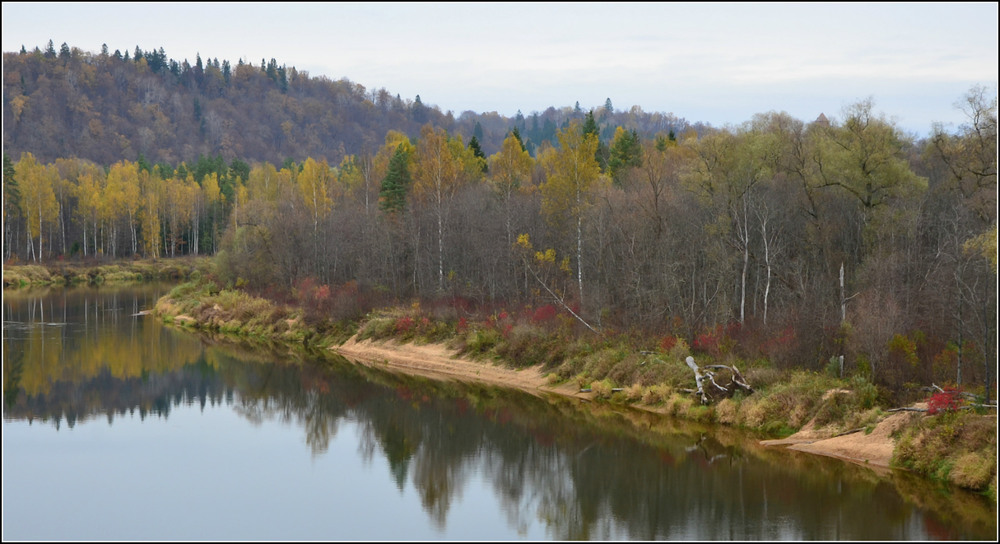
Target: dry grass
<point x="957" y="447"/>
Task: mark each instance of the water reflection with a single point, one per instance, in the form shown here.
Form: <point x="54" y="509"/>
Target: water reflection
<point x="583" y="474"/>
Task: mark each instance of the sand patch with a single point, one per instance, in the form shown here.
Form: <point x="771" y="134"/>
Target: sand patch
<point x="437" y="361"/>
<point x="871" y="449"/>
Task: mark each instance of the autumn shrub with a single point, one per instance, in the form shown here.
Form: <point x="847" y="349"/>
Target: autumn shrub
<point x="544" y="314"/>
<point x="668" y="342"/>
<point x="378" y="328"/>
<point x="627" y="370"/>
<point x="708" y="342"/>
<point x="727" y="411"/>
<point x="528" y="345"/>
<point x="787" y="404"/>
<point x="568" y="369"/>
<point x="948" y="400"/>
<point x="780" y="347"/>
<point x="945" y="363"/>
<point x="278" y="314"/>
<point x="700" y="413"/>
<point x="718" y="341"/>
<point x="833" y="410"/>
<point x="634" y="392"/>
<point x="678" y="404"/>
<point x="677" y="374"/>
<point x="902" y="363"/>
<point x="601" y="362"/>
<point x="183" y="290"/>
<point x="602" y="388"/>
<point x="655" y="394"/>
<point x="960" y="447"/>
<point x="651" y="373"/>
<point x="239" y="305"/>
<point x="404" y="325"/>
<point x="678" y="351"/>
<point x="28" y="274"/>
<point x="761" y="378"/>
<point x="849" y="404"/>
<point x="974" y="469"/>
<point x="480" y="341"/>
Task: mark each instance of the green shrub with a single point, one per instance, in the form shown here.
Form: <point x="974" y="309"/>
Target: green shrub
<point x="480" y="341"/>
<point x="378" y="328"/>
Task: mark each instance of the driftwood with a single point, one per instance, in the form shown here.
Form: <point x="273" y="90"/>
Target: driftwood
<point x="845" y="433"/>
<point x="701" y="375"/>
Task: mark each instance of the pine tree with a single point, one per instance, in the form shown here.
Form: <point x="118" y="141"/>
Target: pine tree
<point x="477" y="150"/>
<point x="517" y="135"/>
<point x="392" y="194"/>
<point x="590" y="127"/>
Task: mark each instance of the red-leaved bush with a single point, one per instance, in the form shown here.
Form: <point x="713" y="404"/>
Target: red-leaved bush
<point x="945" y="401"/>
<point x="544" y="314"/>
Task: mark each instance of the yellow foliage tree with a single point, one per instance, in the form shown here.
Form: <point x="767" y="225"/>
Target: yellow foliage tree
<point x="123" y="191"/>
<point x="41" y="208"/>
<point x="439" y="169"/>
<point x="510" y="170"/>
<point x="87" y="191"/>
<point x="573" y="177"/>
<point x="151" y="188"/>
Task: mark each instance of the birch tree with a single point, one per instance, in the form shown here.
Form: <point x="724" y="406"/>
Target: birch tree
<point x="510" y="170"/>
<point x="41" y="208"/>
<point x="315" y="185"/>
<point x="573" y="175"/>
<point x="438" y="171"/>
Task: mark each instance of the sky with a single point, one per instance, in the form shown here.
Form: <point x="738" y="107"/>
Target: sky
<point x="717" y="63"/>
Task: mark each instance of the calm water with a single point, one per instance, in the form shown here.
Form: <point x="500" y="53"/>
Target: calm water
<point x="118" y="428"/>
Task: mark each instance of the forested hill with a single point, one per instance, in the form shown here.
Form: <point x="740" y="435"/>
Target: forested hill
<point x="108" y="107"/>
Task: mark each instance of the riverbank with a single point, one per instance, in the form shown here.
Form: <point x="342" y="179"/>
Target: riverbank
<point x="909" y="440"/>
<point x="98" y="273"/>
<point x="810" y="411"/>
<point x="438" y="361"/>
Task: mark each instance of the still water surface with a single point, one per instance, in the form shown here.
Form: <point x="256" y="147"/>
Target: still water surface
<point x="119" y="428"/>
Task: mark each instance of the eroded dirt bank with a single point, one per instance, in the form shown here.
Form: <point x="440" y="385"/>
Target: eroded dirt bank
<point x="437" y="361"/>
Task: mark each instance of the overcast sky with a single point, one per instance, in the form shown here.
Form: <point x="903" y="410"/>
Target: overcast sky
<point x="716" y="63"/>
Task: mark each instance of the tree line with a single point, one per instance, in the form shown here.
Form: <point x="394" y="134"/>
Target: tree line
<point x="109" y="106"/>
<point x="796" y="242"/>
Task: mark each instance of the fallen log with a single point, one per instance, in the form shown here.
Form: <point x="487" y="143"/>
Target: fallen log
<point x="709" y="374"/>
<point x="845" y="433"/>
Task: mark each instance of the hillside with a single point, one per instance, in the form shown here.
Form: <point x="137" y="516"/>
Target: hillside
<point x="108" y="107"/>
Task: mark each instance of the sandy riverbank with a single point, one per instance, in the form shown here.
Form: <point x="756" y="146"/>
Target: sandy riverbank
<point x="436" y="361"/>
<point x="872" y="449"/>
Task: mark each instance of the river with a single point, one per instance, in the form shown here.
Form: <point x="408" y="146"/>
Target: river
<point x="117" y="427"/>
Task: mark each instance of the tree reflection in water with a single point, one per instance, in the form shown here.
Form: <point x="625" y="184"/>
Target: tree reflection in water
<point x="587" y="473"/>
